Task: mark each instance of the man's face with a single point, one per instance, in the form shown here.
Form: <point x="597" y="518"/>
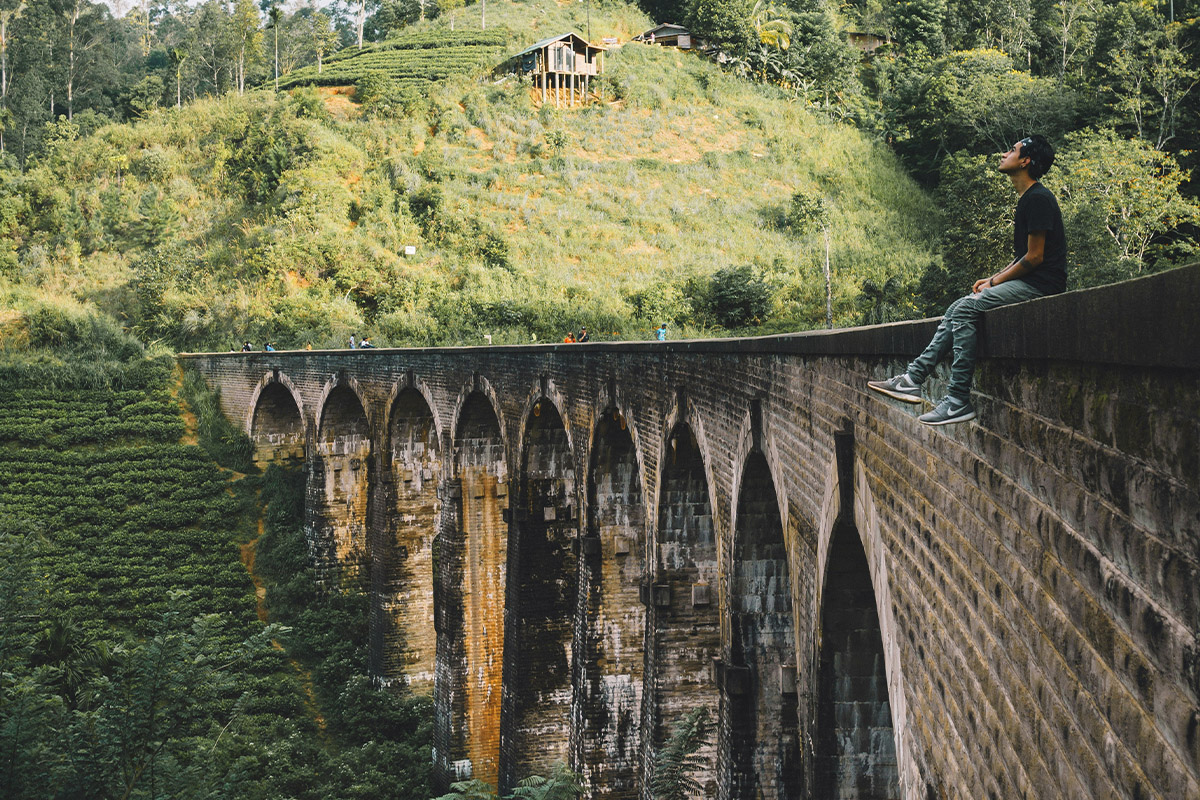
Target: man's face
<point x="1012" y="160"/>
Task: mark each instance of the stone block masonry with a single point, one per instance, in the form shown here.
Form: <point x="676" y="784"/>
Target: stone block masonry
<point x="571" y="546"/>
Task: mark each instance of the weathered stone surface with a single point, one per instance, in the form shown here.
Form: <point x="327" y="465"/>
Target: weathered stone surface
<point x="1034" y="574"/>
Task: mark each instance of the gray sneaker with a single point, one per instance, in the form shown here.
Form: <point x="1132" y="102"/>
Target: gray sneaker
<point x="900" y="387"/>
<point x="951" y="409"/>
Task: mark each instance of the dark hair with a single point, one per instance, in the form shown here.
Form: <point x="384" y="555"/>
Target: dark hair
<point x="1040" y="154"/>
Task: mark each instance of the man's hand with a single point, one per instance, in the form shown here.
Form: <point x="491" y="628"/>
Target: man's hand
<point x="980" y="285"/>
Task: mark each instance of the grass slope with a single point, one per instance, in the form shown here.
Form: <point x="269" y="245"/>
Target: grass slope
<point x="287" y="218"/>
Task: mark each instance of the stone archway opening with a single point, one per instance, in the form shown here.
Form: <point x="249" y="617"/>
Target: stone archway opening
<point x="472" y="566"/>
<point x="760" y="685"/>
<point x="405" y="594"/>
<point x="614" y="550"/>
<point x="277" y="427"/>
<point x="683" y="597"/>
<point x="855" y="742"/>
<point x="543" y="561"/>
<point x="339" y="488"/>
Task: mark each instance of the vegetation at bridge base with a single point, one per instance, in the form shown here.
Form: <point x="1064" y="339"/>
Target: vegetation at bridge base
<point x="677" y="760"/>
<point x="132" y="660"/>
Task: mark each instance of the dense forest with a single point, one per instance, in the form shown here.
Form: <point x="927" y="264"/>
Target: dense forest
<point x="181" y="176"/>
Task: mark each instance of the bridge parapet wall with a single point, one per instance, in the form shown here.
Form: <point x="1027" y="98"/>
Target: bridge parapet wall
<point x="1035" y="574"/>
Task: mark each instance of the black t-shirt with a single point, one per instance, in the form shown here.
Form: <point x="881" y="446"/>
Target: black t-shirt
<point x="1037" y="210"/>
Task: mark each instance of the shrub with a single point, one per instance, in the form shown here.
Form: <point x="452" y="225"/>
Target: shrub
<point x="738" y="296"/>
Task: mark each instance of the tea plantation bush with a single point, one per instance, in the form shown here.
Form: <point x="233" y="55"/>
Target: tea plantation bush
<point x="132" y="659"/>
<point x="410" y="60"/>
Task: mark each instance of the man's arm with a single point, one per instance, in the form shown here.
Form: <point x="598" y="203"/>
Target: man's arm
<point x="1035" y="252"/>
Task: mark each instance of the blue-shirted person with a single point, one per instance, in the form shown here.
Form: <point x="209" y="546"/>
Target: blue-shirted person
<point x="1038" y="268"/>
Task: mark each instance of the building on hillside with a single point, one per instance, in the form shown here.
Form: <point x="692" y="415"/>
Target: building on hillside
<point x="866" y="42"/>
<point x="561" y="66"/>
<point x="667" y="35"/>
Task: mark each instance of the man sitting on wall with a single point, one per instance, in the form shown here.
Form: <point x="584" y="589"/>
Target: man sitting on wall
<point x="1039" y="268"/>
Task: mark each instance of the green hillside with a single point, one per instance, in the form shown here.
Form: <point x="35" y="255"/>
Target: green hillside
<point x="287" y="217"/>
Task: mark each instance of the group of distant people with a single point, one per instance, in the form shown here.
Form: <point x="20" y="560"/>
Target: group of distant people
<point x="660" y="333"/>
<point x="268" y="347"/>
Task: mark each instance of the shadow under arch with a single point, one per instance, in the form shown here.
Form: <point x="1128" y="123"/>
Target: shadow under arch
<point x="613" y="647"/>
<point x="855" y="744"/>
<point x="471" y="567"/>
<point x="542" y="598"/>
<point x="760" y="680"/>
<point x="276" y="421"/>
<point x="338" y="487"/>
<point x="404" y="587"/>
<point x="683" y="597"/>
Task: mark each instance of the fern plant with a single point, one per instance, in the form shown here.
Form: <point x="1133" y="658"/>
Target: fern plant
<point x="469" y="790"/>
<point x="563" y="784"/>
<point x="678" y="760"/>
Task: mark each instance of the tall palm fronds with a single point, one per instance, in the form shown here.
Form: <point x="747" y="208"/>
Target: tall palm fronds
<point x="771" y="25"/>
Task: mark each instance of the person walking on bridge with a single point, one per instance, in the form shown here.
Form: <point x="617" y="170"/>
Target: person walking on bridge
<point x="1038" y="268"/>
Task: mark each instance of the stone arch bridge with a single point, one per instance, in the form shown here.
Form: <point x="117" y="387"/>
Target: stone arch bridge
<point x="572" y="547"/>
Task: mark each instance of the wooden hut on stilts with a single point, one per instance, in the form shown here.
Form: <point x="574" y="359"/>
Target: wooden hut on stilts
<point x="561" y="67"/>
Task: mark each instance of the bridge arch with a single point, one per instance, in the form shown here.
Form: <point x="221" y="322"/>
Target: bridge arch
<point x="413" y="383"/>
<point x="859" y="737"/>
<point x="759" y="691"/>
<point x="684" y="596"/>
<point x="340" y="480"/>
<point x="613" y="552"/>
<point x="470" y="395"/>
<point x="276" y="420"/>
<point x="542" y="600"/>
<point x="472" y="569"/>
<point x="404" y="593"/>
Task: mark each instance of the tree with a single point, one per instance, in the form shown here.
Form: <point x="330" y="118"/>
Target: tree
<point x="881" y="303"/>
<point x="738" y="296"/>
<point x="808" y="212"/>
<point x="674" y="764"/>
<point x="1073" y="29"/>
<point x="179" y="55"/>
<point x="918" y="24"/>
<point x="977" y="208"/>
<point x="725" y="23"/>
<point x="819" y="57"/>
<point x="275" y="14"/>
<point x="322" y="36"/>
<point x="1130" y="189"/>
<point x="209" y="41"/>
<point x="1144" y="71"/>
<point x="974" y="100"/>
<point x="246" y="37"/>
<point x="8" y="14"/>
